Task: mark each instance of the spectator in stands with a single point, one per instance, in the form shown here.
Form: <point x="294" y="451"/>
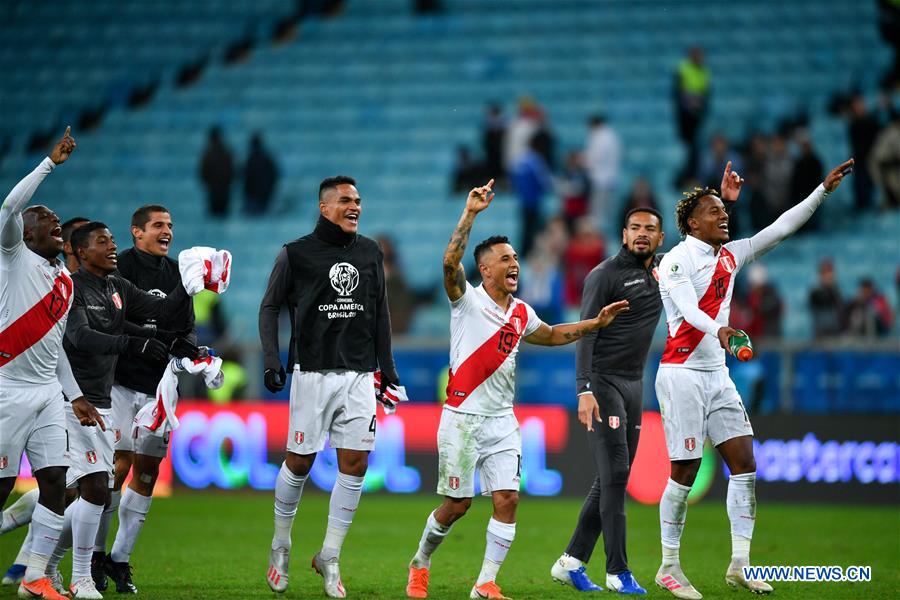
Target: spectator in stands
<point x="806" y="175"/>
<point x="826" y="305"/>
<point x="531" y="180"/>
<point x="585" y="251"/>
<point x="402" y="301"/>
<point x="713" y="164"/>
<point x="777" y="174"/>
<point x="641" y="195"/>
<point x="603" y="159"/>
<point x="492" y="136"/>
<point x="863" y="130"/>
<point x="763" y="303"/>
<point x="754" y="175"/>
<point x="260" y="177"/>
<point x="542" y="285"/>
<point x="691" y="94"/>
<point x="517" y="141"/>
<point x="869" y="314"/>
<point x="217" y="173"/>
<point x="556" y="237"/>
<point x="544" y="140"/>
<point x="575" y="189"/>
<point x="467" y="173"/>
<point x="884" y="163"/>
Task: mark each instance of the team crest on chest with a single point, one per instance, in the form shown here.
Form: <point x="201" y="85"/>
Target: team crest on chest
<point x="344" y="278"/>
<point x="516" y="322"/>
<point x="613" y="422"/>
<point x="655" y="272"/>
<point x="117" y="300"/>
<point x="727" y="263"/>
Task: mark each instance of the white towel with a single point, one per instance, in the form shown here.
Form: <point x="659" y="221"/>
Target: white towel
<point x="202" y="267"/>
<point x="393" y="395"/>
<point x="158" y="416"/>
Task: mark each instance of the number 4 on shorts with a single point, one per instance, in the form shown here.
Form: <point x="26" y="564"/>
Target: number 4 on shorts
<point x="372" y="424"/>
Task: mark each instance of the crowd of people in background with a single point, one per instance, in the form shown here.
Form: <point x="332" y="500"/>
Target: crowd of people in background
<point x="218" y="174"/>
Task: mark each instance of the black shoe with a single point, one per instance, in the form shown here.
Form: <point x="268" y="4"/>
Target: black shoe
<point x="120" y="573"/>
<point x="98" y="573"/>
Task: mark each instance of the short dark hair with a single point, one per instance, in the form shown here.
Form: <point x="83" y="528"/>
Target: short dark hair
<point x="80" y="236"/>
<point x="332" y="182"/>
<point x="644" y="209"/>
<point x="685" y="207"/>
<point x="69" y="226"/>
<point x="142" y="215"/>
<point x="487" y="244"/>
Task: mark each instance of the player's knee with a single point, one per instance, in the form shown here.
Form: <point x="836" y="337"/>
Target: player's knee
<point x="94" y="490"/>
<point x="354" y="462"/>
<point x="505" y="504"/>
<point x="744" y="464"/>
<point x="619" y="474"/>
<point x="299" y="464"/>
<point x="456" y="507"/>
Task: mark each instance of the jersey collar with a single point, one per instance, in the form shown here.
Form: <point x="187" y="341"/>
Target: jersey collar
<point x="700" y="246"/>
<point x="487" y="296"/>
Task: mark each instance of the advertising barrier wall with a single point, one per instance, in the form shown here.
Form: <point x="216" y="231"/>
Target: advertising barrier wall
<point x="804" y="458"/>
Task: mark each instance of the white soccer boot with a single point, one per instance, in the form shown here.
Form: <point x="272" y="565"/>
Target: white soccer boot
<point x="671" y="578"/>
<point x="735" y="578"/>
<point x="331" y="573"/>
<point x="277" y="574"/>
<point x="56" y="579"/>
<point x="85" y="588"/>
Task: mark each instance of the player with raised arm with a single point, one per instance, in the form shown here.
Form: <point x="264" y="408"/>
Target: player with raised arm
<point x="478" y="427"/>
<point x="36" y="293"/>
<point x="697" y="398"/>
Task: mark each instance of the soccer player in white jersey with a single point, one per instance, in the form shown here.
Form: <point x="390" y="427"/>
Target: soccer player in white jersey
<point x="478" y="427"/>
<point x="35" y="297"/>
<point x="697" y="398"/>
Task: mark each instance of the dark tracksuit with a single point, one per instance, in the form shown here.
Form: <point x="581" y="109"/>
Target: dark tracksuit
<point x="610" y="363"/>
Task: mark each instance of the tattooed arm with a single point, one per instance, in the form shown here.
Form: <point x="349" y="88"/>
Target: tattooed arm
<point x="454" y="274"/>
<point x="566" y="333"/>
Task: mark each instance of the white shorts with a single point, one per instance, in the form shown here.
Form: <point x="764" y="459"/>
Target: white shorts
<point x="340" y="404"/>
<point x="32" y="420"/>
<point x="467" y="442"/>
<point x="696" y="405"/>
<point x="91" y="448"/>
<point x="125" y="405"/>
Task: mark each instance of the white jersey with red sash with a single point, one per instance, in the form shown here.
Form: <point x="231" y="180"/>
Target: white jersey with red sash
<point x="35" y="296"/>
<point x="693" y="262"/>
<point x="484" y="343"/>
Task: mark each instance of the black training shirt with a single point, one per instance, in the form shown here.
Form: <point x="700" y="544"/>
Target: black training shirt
<point x="621" y="348"/>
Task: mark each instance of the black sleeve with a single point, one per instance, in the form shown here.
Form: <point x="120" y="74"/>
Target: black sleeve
<point x="87" y="340"/>
<point x="191" y="324"/>
<point x="144" y="306"/>
<point x="275" y="297"/>
<point x="145" y="331"/>
<point x="383" y="328"/>
<point x="594" y="297"/>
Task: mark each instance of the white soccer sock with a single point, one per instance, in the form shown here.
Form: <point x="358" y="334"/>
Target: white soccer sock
<point x="344" y="502"/>
<point x="288" y="488"/>
<point x="115" y="496"/>
<point x="65" y="542"/>
<point x="25" y="550"/>
<point x="46" y="527"/>
<point x="19" y="513"/>
<point x="132" y="514"/>
<point x="499" y="538"/>
<point x="672" y="514"/>
<point x="432" y="536"/>
<point x="741" y="505"/>
<point x="85" y="521"/>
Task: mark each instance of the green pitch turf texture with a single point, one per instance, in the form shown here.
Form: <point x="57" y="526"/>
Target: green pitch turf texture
<point x="215" y="545"/>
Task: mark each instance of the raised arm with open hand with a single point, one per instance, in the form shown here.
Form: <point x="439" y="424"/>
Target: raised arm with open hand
<point x="454" y="274"/>
<point x="566" y="333"/>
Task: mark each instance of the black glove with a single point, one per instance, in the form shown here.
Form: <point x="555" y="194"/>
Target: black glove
<point x="167" y="337"/>
<point x="275" y="380"/>
<point x="182" y="348"/>
<point x="149" y="348"/>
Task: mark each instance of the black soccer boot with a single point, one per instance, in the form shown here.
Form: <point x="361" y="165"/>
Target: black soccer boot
<point x="120" y="573"/>
<point x="98" y="573"/>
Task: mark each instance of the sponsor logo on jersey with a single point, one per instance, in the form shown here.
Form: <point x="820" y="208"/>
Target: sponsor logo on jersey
<point x="454" y="483"/>
<point x="728" y="263"/>
<point x="613" y="422"/>
<point x="632" y="282"/>
<point x="91" y="457"/>
<point x="157" y="292"/>
<point x="689" y="444"/>
<point x="4" y="461"/>
<point x="298" y="437"/>
<point x="344" y="278"/>
<point x="117" y="300"/>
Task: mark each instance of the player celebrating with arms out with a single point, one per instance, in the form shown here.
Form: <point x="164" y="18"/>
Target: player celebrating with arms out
<point x="697" y="398"/>
<point x="478" y="427"/>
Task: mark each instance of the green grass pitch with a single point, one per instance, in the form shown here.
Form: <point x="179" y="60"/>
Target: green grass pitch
<point x="215" y="545"/>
